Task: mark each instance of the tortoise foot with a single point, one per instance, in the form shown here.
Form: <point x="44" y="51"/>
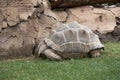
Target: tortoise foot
<point x="95" y="53"/>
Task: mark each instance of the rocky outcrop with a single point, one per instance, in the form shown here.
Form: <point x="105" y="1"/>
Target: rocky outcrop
<point x="17" y="29"/>
<point x="24" y="23"/>
<point x="73" y="3"/>
<point x="110" y="36"/>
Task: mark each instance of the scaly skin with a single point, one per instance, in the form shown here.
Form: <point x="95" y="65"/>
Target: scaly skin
<point x="95" y="53"/>
<point x="51" y="55"/>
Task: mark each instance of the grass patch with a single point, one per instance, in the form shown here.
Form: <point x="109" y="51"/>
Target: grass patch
<point x="106" y="67"/>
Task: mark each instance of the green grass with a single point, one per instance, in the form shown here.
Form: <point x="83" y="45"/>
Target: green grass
<point x="106" y="67"/>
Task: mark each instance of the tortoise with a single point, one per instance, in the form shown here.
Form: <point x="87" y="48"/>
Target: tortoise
<point x="70" y="41"/>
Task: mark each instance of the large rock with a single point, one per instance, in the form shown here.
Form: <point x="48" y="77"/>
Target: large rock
<point x="17" y="30"/>
<point x="12" y="12"/>
<point x="99" y="19"/>
<point x="72" y="3"/>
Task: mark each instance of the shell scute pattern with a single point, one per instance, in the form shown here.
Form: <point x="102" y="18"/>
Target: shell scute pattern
<point x="70" y="35"/>
<point x="58" y="38"/>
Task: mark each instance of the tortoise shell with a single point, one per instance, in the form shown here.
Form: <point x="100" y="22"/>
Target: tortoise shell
<point x="73" y="37"/>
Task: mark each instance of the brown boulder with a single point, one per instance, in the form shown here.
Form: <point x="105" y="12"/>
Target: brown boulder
<point x="98" y="19"/>
<point x="17" y="31"/>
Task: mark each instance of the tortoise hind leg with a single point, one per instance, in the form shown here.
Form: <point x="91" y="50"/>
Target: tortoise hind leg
<point x="49" y="53"/>
<point x="95" y="53"/>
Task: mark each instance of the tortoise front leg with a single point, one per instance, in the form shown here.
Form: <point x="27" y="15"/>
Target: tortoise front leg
<point x="95" y="53"/>
<point x="42" y="47"/>
<point x="49" y="53"/>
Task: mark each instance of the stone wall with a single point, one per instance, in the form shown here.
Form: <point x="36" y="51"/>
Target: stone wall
<point x="23" y="23"/>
